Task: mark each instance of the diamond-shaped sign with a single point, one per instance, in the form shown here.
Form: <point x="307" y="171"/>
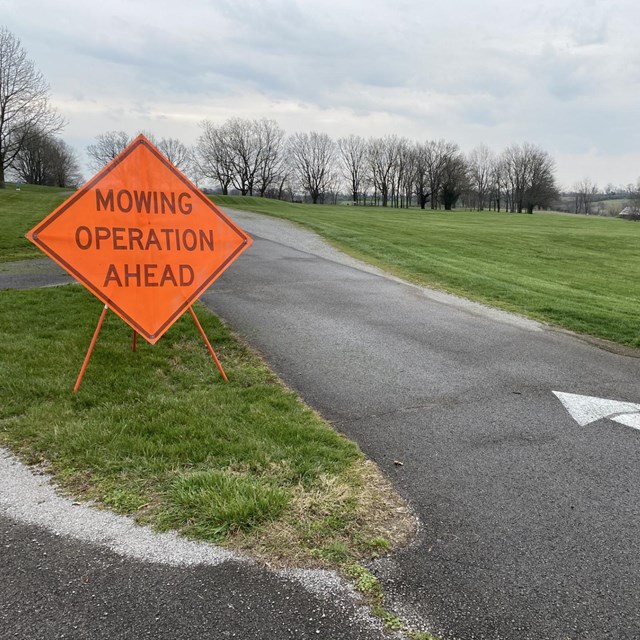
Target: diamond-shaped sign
<point x="143" y="238"/>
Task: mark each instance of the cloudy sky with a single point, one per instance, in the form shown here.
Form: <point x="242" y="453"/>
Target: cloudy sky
<point x="562" y="74"/>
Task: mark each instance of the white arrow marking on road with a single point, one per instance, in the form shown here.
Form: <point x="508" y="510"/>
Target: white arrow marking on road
<point x="629" y="419"/>
<point x="587" y="409"/>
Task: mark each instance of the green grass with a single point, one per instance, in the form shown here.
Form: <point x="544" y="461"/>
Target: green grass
<point x="19" y="212"/>
<point x="157" y="434"/>
<point x="577" y="272"/>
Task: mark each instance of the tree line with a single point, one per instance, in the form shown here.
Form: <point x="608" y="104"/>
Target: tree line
<point x="256" y="157"/>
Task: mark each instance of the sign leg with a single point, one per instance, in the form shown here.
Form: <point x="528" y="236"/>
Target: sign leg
<point x="206" y="341"/>
<point x="90" y="350"/>
<point x="134" y="343"/>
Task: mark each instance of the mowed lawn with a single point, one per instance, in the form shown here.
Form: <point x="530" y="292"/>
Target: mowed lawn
<point x="580" y="273"/>
<point x="19" y="212"/>
<point x="157" y="434"/>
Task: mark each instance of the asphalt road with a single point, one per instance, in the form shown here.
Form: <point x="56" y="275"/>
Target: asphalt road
<point x="530" y="522"/>
<point x="54" y="587"/>
<point x="30" y="274"/>
<point x="71" y="571"/>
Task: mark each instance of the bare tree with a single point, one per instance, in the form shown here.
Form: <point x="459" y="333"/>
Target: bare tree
<point x="24" y="102"/>
<point x="176" y="152"/>
<point x="271" y="161"/>
<point x="435" y="158"/>
<point x="65" y="166"/>
<point x="31" y="163"/>
<point x="49" y="161"/>
<point x="515" y="171"/>
<point x="106" y="147"/>
<point x="539" y="186"/>
<point x="312" y="158"/>
<point x="421" y="175"/>
<point x="334" y="186"/>
<point x="480" y="163"/>
<point x="285" y="188"/>
<point x="243" y="143"/>
<point x="246" y="154"/>
<point x="634" y="201"/>
<point x="382" y="155"/>
<point x="212" y="156"/>
<point x="498" y="183"/>
<point x="530" y="173"/>
<point x="585" y="191"/>
<point x="405" y="174"/>
<point x="454" y="177"/>
<point x="353" y="156"/>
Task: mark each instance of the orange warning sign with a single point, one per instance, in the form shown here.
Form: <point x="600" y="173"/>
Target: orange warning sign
<point x="143" y="238"/>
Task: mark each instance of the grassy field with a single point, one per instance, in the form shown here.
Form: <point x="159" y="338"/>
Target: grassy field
<point x="19" y="212"/>
<point x="577" y="272"/>
<point x="157" y="434"/>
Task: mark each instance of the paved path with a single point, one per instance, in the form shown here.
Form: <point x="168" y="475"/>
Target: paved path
<point x="29" y="274"/>
<point x="530" y="522"/>
<point x="71" y="571"/>
<point x="55" y="587"/>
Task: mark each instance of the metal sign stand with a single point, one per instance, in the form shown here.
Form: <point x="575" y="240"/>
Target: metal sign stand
<point x="94" y="339"/>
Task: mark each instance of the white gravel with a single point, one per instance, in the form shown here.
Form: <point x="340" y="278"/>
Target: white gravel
<point x="31" y="499"/>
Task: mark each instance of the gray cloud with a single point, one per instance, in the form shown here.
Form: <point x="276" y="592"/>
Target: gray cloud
<point x="562" y="74"/>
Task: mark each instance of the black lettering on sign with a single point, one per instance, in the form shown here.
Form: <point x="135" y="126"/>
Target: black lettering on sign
<point x="152" y="239"/>
<point x="112" y="276"/>
<point x="135" y="236"/>
<point x="86" y="232"/>
<point x="157" y="202"/>
<point x="169" y="201"/>
<point x="206" y="237"/>
<point x="186" y="275"/>
<point x="132" y="274"/>
<point x="149" y="275"/>
<point x="168" y="277"/>
<point x="118" y="239"/>
<point x="132" y="238"/>
<point x="102" y="233"/>
<point x="189" y="239"/>
<point x="106" y="202"/>
<point x="125" y="201"/>
<point x="185" y="207"/>
<point x="143" y="201"/>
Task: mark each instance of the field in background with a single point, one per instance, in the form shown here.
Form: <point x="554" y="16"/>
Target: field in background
<point x="578" y="272"/>
<point x="19" y="212"/>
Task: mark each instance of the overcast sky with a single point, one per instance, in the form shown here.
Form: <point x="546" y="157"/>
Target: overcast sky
<point x="561" y="74"/>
